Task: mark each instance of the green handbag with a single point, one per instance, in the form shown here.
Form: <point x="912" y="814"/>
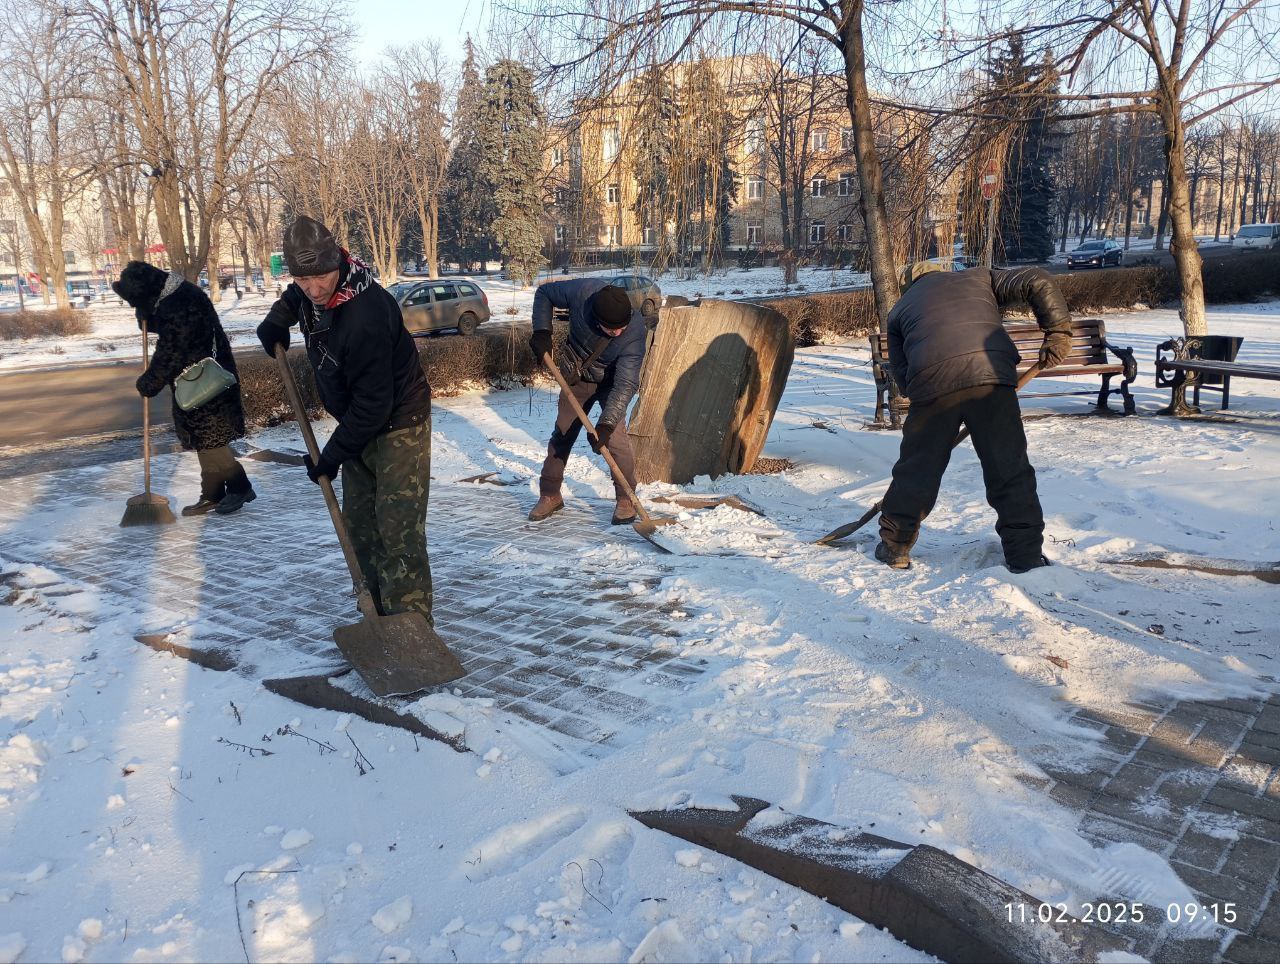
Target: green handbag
<point x="200" y="383"/>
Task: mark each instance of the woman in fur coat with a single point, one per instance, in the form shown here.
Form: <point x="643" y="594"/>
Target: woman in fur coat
<point x="188" y="328"/>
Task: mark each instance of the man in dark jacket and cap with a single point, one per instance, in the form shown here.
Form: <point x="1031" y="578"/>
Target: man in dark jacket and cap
<point x="369" y="378"/>
<point x="601" y="360"/>
<point x="952" y="358"/>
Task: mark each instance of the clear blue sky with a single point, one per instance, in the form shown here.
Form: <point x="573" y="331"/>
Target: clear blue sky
<point x="383" y="23"/>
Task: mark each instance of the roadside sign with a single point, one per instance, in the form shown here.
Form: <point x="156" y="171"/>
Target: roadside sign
<point x="990" y="179"/>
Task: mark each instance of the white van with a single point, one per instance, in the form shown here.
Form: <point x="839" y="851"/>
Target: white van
<point x="1259" y="237"/>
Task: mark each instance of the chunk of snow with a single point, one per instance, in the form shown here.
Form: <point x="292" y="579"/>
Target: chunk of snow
<point x="296" y="839"/>
<point x="272" y="830"/>
<point x="394" y="915"/>
<point x="850" y="929"/>
<point x="39" y="873"/>
<point x="493" y="755"/>
<point x="454" y="926"/>
<point x="73" y="949"/>
<point x="90" y="929"/>
<point x="444" y="724"/>
<point x="355" y="849"/>
<point x="234" y="873"/>
<point x="115" y="801"/>
<point x="688" y="858"/>
<point x="11" y="945"/>
<point x="344" y="721"/>
<point x="78" y="743"/>
<point x="512" y="943"/>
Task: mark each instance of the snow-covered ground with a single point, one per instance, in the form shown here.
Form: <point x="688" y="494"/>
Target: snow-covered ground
<point x="912" y="703"/>
<point x="114" y="334"/>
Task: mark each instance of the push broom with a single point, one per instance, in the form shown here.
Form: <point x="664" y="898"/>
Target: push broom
<point x="149" y="508"/>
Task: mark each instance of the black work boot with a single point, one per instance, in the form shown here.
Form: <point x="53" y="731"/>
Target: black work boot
<point x="547" y="506"/>
<point x="892" y="556"/>
<point x="203" y="506"/>
<point x="239" y="491"/>
<point x="1018" y="570"/>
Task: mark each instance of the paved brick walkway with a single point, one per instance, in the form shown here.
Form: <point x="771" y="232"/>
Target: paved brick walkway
<point x="588" y="657"/>
<point x="1199" y="784"/>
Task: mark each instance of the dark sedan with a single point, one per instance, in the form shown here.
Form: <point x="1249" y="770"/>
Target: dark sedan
<point x="1096" y="254"/>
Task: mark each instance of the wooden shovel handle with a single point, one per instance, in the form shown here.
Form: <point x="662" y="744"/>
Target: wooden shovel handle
<point x="326" y="486"/>
<point x="604" y="449"/>
<point x="146" y="416"/>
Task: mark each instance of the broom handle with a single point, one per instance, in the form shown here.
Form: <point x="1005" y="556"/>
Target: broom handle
<point x="326" y="485"/>
<point x="604" y="449"/>
<point x="146" y="418"/>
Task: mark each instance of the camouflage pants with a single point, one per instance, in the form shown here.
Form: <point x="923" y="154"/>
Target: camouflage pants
<point x="384" y="500"/>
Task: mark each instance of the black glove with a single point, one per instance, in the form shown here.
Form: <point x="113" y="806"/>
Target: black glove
<point x="271" y="334"/>
<point x="604" y="432"/>
<point x="148" y="385"/>
<point x="540" y="344"/>
<point x="325" y="467"/>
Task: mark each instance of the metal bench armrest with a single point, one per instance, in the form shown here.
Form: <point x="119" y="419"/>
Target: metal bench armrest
<point x="1126" y="358"/>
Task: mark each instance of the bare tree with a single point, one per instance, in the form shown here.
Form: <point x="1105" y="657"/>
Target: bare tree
<point x="376" y="170"/>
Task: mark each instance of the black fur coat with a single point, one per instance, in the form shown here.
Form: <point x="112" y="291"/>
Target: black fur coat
<point x="183" y="318"/>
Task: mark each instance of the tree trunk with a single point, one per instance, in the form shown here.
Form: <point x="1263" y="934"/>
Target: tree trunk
<point x="431" y="237"/>
<point x="211" y="266"/>
<point x="875" y="219"/>
<point x="1185" y="254"/>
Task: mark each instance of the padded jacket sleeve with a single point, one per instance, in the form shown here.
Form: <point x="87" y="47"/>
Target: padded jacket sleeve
<point x="1035" y="287"/>
<point x="626" y="382"/>
<point x="897" y="354"/>
<point x="549" y="296"/>
<point x="371" y="380"/>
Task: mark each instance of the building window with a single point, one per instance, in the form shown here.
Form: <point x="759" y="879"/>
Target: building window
<point x="66" y="227"/>
<point x="615" y="234"/>
<point x="846" y="185"/>
<point x="846" y="138"/>
<point x="755" y="136"/>
<point x="650" y="236"/>
<point x="560" y="195"/>
<point x="559" y="234"/>
<point x="614" y="194"/>
<point x="557" y="156"/>
<point x="8" y="225"/>
<point x="818" y="186"/>
<point x="755" y="187"/>
<point x="817" y="232"/>
<point x="610" y="143"/>
<point x="846" y="232"/>
<point x="68" y="257"/>
<point x="818" y="140"/>
<point x="753" y="232"/>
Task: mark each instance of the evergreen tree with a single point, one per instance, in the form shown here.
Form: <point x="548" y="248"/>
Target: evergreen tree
<point x="1026" y="220"/>
<point x="469" y="212"/>
<point x="653" y="159"/>
<point x="511" y="134"/>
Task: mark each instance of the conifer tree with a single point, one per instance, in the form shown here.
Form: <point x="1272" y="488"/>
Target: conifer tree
<point x="468" y="209"/>
<point x="511" y="135"/>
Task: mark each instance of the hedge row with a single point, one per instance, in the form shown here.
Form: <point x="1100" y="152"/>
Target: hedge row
<point x="495" y="355"/>
<point x="42" y="324"/>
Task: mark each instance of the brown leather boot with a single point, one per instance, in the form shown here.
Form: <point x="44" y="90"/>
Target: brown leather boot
<point x="624" y="512"/>
<point x="547" y="506"/>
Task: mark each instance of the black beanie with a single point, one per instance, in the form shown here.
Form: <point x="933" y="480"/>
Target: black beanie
<point x="310" y="249"/>
<point x="611" y="307"/>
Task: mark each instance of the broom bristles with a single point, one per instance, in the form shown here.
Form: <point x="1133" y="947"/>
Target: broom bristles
<point x="147" y="509"/>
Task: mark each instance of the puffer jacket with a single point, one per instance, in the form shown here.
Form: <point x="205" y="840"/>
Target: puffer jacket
<point x="365" y="362"/>
<point x="618" y="365"/>
<point x="946" y="334"/>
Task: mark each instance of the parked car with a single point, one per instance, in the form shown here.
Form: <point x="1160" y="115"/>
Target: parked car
<point x="441" y="305"/>
<point x="958" y="263"/>
<point x="643" y="292"/>
<point x="1257" y="237"/>
<point x="1096" y="254"/>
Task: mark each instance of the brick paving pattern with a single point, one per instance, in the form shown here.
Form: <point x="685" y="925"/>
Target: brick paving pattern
<point x="584" y="655"/>
<point x="1199" y="784"/>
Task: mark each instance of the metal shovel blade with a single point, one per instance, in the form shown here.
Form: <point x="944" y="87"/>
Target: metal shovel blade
<point x="648" y="528"/>
<point x="397" y="654"/>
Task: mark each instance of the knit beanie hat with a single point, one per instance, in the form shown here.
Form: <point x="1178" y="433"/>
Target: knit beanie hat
<point x="911" y="272"/>
<point x="310" y="248"/>
<point x="611" y="307"/>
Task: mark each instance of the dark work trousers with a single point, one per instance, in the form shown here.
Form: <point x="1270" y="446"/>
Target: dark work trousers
<point x="994" y="421"/>
<point x="220" y="473"/>
<point x="566" y="433"/>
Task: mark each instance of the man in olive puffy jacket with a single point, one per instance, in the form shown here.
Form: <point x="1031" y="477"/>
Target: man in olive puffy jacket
<point x="953" y="359"/>
<point x="601" y="359"/>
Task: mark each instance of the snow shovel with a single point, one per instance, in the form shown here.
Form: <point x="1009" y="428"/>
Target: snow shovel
<point x="395" y="654"/>
<point x="848" y="529"/>
<point x="149" y="508"/>
<point x="647" y="525"/>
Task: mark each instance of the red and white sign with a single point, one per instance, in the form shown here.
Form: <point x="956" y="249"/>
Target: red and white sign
<point x="990" y="179"/>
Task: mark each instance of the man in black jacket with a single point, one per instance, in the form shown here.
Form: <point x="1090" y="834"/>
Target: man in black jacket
<point x="369" y="378"/>
<point x="601" y="361"/>
<point x="953" y="359"/>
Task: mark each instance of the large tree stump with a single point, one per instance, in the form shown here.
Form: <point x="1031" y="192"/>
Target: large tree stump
<point x="711" y="383"/>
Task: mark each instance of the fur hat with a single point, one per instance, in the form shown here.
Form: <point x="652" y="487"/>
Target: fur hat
<point x="611" y="307"/>
<point x="310" y="248"/>
<point x="911" y="272"/>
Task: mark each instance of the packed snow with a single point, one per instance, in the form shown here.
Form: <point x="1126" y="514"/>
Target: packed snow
<point x="148" y="814"/>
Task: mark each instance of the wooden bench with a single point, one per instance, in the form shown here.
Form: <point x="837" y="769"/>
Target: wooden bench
<point x="1188" y="366"/>
<point x="1089" y="348"/>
